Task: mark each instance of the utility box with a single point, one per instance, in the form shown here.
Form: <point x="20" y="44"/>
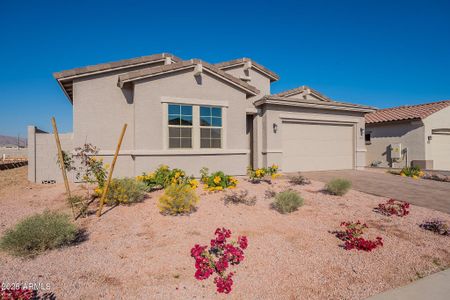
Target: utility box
<point x="396" y="151"/>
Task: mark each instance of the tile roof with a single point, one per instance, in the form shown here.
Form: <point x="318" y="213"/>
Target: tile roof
<point x="410" y="112"/>
<point x="113" y="65"/>
<point x="310" y="102"/>
<point x="302" y="89"/>
<point x="153" y="71"/>
<point x="226" y="64"/>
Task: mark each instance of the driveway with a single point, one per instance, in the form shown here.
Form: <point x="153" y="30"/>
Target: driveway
<point x="422" y="192"/>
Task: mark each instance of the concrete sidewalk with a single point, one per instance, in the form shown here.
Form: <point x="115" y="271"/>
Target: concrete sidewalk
<point x="435" y="286"/>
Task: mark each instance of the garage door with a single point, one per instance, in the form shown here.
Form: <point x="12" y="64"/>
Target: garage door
<point x="440" y="151"/>
<point x="317" y="147"/>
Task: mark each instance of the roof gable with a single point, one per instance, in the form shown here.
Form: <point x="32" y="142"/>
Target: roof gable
<point x="65" y="78"/>
<point x="200" y="66"/>
<point x="250" y="64"/>
<point x="304" y="91"/>
<point x="410" y="112"/>
<point x="110" y="66"/>
<point x="313" y="103"/>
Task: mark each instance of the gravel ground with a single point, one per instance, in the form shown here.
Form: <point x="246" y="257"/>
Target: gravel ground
<point x="135" y="252"/>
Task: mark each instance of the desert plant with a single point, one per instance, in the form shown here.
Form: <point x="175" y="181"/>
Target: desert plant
<point x="218" y="258"/>
<point x="125" y="191"/>
<point x="287" y="201"/>
<point x="240" y="197"/>
<point x="38" y="233"/>
<point x="178" y="199"/>
<point x="263" y="174"/>
<point x="338" y="187"/>
<point x="91" y="168"/>
<point x="393" y="207"/>
<point x="352" y="239"/>
<point x="299" y="180"/>
<point x="437" y="226"/>
<point x="414" y="172"/>
<point x="269" y="193"/>
<point x="79" y="203"/>
<point x="164" y="176"/>
<point x="217" y="181"/>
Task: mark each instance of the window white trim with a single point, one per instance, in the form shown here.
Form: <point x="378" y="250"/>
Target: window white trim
<point x="214" y="127"/>
<point x="196" y="103"/>
<point x="190" y="101"/>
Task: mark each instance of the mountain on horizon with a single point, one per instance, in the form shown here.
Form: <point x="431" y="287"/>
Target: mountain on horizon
<point x="11" y="140"/>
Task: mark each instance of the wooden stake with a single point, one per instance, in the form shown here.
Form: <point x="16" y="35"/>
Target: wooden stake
<point x="105" y="191"/>
<point x="61" y="162"/>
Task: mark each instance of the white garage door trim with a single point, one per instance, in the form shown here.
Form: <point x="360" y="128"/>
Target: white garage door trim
<point x="351" y="125"/>
<point x="440" y="151"/>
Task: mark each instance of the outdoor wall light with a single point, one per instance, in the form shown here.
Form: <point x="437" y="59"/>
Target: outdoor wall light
<point x="275" y="127"/>
<point x="430" y="138"/>
<point x="361" y="131"/>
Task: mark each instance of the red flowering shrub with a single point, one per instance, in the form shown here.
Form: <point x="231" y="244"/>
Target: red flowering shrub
<point x="393" y="207"/>
<point x="218" y="258"/>
<point x="352" y="237"/>
<point x="16" y="293"/>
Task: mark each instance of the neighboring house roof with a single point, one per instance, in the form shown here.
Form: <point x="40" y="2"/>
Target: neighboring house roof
<point x="241" y="61"/>
<point x="303" y="89"/>
<point x="65" y="78"/>
<point x="410" y="112"/>
<point x="199" y="64"/>
<point x="335" y="105"/>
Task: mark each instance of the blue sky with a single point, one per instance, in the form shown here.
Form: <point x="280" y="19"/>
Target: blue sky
<point x="380" y="53"/>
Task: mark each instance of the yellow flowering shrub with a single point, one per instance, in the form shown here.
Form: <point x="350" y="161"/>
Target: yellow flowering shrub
<point x="217" y="181"/>
<point x="124" y="191"/>
<point x="261" y="174"/>
<point x="414" y="172"/>
<point x="178" y="199"/>
<point x="164" y="176"/>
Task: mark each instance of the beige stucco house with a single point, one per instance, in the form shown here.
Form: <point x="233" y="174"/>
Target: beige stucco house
<point x="192" y="114"/>
<point x="410" y="135"/>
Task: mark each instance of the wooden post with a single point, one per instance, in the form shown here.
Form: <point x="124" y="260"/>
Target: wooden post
<point x="105" y="191"/>
<point x="61" y="162"/>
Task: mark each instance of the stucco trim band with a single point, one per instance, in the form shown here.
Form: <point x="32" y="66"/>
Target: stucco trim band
<point x="177" y="100"/>
<point x="176" y="152"/>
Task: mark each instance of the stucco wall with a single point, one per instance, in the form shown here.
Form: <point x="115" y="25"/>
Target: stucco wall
<point x="43" y="155"/>
<point x="433" y="150"/>
<point x="257" y="79"/>
<point x="272" y="148"/>
<point x="101" y="109"/>
<point x="409" y="134"/>
<point x="13" y="152"/>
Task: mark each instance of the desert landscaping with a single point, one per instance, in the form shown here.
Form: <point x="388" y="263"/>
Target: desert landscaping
<point x="135" y="251"/>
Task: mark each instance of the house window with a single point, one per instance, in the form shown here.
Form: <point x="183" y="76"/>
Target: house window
<point x="210" y="127"/>
<point x="180" y="126"/>
<point x="367" y="138"/>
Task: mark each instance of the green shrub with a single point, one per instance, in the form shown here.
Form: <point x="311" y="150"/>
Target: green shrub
<point x="287" y="201"/>
<point x="164" y="176"/>
<point x="38" y="233"/>
<point x="414" y="172"/>
<point x="299" y="179"/>
<point x="338" y="187"/>
<point x="125" y="191"/>
<point x="178" y="199"/>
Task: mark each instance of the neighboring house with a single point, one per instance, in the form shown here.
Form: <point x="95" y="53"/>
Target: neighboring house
<point x="420" y="133"/>
<point x="191" y="114"/>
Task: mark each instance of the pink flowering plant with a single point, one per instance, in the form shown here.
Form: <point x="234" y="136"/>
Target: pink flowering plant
<point x="218" y="258"/>
<point x="16" y="293"/>
<point x="352" y="237"/>
<point x="393" y="207"/>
